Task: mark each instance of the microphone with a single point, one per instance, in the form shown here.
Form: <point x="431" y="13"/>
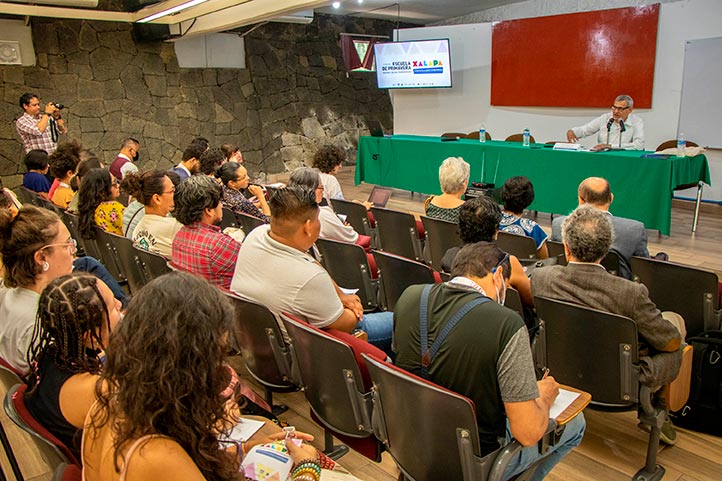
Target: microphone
<point x="622" y="129"/>
<point x="609" y="127"/>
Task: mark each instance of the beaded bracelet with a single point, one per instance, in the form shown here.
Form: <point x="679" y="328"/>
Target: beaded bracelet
<point x="306" y="469"/>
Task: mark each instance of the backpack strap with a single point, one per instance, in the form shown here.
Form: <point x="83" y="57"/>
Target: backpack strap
<point x="428" y="353"/>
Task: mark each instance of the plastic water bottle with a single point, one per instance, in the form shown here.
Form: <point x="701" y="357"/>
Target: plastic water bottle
<point x="526" y="135"/>
<point x="681" y="145"/>
<point x="482" y="134"/>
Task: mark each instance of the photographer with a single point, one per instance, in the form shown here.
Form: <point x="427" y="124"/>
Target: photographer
<point x="39" y="130"/>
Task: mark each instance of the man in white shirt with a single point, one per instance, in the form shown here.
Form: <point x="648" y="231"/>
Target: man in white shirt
<point x="620" y="130"/>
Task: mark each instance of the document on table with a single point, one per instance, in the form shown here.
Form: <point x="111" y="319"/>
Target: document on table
<point x="244" y="430"/>
<point x="563" y="401"/>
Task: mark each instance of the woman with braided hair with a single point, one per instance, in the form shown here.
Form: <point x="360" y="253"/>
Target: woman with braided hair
<point x="76" y="314"/>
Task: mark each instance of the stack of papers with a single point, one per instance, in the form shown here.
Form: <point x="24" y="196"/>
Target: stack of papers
<point x="567" y="146"/>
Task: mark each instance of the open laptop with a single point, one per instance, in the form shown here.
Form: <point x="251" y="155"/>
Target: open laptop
<point x="379" y="196"/>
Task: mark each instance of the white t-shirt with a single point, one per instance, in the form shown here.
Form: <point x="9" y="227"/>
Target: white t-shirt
<point x="331" y="187"/>
<point x="632" y="137"/>
<point x="285" y="279"/>
<point x="18" y="310"/>
<point x="332" y="227"/>
<point x="155" y="234"/>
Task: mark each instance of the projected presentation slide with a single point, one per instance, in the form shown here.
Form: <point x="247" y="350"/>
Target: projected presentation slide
<point x="417" y="64"/>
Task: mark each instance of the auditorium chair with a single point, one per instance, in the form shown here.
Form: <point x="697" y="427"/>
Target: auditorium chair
<point x="517" y="245"/>
<point x="356" y="215"/>
<point x="440" y="237"/>
<point x="53" y="451"/>
<point x="9" y="377"/>
<point x="109" y="254"/>
<point x="612" y="262"/>
<point x="71" y="222"/>
<point x="131" y="264"/>
<point x="689" y="291"/>
<point x="431" y="432"/>
<point x="519" y="138"/>
<point x="396" y="273"/>
<point x="398" y="232"/>
<point x="261" y="343"/>
<point x="475" y="135"/>
<point x="68" y="472"/>
<point x="556" y="249"/>
<point x="596" y="352"/>
<point x="228" y="219"/>
<point x="152" y="265"/>
<point x="513" y="301"/>
<point x="671" y="144"/>
<point x="27" y="196"/>
<point x="248" y="222"/>
<point x="349" y="266"/>
<point x="336" y="385"/>
<point x="452" y="135"/>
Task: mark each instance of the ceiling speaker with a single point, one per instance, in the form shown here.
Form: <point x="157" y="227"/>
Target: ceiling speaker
<point x="10" y="53"/>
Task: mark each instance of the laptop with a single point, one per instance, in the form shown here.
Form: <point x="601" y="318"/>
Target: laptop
<point x="379" y="196"/>
<point x="375" y="128"/>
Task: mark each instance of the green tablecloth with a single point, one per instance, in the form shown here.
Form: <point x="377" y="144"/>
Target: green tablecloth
<point x="642" y="186"/>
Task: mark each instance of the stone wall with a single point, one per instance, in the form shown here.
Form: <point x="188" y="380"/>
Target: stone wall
<point x="293" y="96"/>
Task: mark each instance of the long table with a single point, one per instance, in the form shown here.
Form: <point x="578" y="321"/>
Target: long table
<point x="642" y="186"/>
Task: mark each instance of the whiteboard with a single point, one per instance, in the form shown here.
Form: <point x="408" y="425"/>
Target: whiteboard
<point x="700" y="114"/>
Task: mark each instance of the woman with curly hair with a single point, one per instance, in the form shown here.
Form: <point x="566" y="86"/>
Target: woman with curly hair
<point x="156" y="229"/>
<point x="97" y="204"/>
<point x="76" y="314"/>
<point x="159" y="411"/>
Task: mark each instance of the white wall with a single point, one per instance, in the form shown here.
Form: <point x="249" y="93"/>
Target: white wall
<point x="465" y="106"/>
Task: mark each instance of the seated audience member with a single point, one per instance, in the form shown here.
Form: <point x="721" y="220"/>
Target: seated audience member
<point x="232" y="153"/>
<point x="190" y="163"/>
<point x="328" y="160"/>
<point x="622" y="129"/>
<point x="587" y="235"/>
<point x="156" y="230"/>
<point x="76" y="314"/>
<point x="36" y="248"/>
<point x="518" y="194"/>
<point x="8" y="201"/>
<point x="630" y="236"/>
<point x="200" y="247"/>
<point x="331" y="226"/>
<point x="210" y="160"/>
<point x="234" y="178"/>
<point x="135" y="210"/>
<point x="159" y="415"/>
<point x="62" y="166"/>
<point x="71" y="148"/>
<point x="454" y="179"/>
<point x="479" y="220"/>
<point x="36" y="161"/>
<point x="304" y="289"/>
<point x="97" y="205"/>
<point x="485" y="356"/>
<point x="123" y="163"/>
<point x="84" y="166"/>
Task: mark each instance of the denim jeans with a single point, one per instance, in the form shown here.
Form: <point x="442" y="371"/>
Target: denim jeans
<point x="379" y="326"/>
<point x="92" y="266"/>
<point x="571" y="438"/>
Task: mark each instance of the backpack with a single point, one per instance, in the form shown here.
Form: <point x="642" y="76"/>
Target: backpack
<point x="703" y="411"/>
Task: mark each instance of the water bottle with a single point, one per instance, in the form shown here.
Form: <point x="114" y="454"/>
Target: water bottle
<point x="526" y="136"/>
<point x="482" y="134"/>
<point x="681" y="145"/>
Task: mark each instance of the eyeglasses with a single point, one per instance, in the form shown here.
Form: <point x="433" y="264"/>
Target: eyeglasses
<point x="501" y="262"/>
<point x="172" y="191"/>
<point x="621" y="109"/>
<point x="72" y="246"/>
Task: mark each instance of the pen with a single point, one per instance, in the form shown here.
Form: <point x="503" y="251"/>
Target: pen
<point x="546" y="373"/>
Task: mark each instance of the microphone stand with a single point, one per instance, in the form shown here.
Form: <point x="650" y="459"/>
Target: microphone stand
<point x="622" y="129"/>
<point x="609" y="128"/>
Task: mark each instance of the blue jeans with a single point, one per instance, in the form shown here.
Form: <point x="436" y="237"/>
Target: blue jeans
<point x="379" y="326"/>
<point x="571" y="438"/>
<point x="91" y="265"/>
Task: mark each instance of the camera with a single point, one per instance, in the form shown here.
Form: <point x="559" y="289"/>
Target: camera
<point x="59" y="106"/>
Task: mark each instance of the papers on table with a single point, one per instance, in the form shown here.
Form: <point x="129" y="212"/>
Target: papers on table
<point x="243" y="430"/>
<point x="563" y="401"/>
<point x="567" y="146"/>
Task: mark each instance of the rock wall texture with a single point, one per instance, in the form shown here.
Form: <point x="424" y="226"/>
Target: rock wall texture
<point x="293" y="96"/>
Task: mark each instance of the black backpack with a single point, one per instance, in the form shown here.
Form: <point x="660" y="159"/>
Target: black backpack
<point x="703" y="411"/>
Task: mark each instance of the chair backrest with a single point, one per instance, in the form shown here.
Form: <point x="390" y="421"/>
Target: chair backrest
<point x="519" y="138"/>
<point x="109" y="253"/>
<point x="397" y="233"/>
<point x="672" y="144"/>
<point x="355" y="215"/>
<point x="152" y="265"/>
<point x="348" y="265"/>
<point x="396" y="273"/>
<point x="130" y="262"/>
<point x="556" y="249"/>
<point x="47" y="204"/>
<point x="333" y="382"/>
<point x="440" y="237"/>
<point x="261" y="343"/>
<point x="452" y="135"/>
<point x="475" y="135"/>
<point x="52" y="449"/>
<point x="689" y="291"/>
<point x="421" y="423"/>
<point x="228" y="219"/>
<point x="68" y="472"/>
<point x="518" y="245"/>
<point x="248" y="222"/>
<point x="592" y="350"/>
<point x="27" y="196"/>
<point x="71" y="222"/>
<point x="612" y="262"/>
<point x="513" y="301"/>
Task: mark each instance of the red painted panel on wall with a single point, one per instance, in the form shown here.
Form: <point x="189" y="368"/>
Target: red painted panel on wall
<point x="575" y="60"/>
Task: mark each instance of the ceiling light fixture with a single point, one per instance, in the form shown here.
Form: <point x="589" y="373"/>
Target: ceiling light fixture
<point x="171" y="11"/>
<point x="360" y="2"/>
<point x="336" y="4"/>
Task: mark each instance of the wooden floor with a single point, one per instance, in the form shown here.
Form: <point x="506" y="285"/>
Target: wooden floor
<point x="613" y="448"/>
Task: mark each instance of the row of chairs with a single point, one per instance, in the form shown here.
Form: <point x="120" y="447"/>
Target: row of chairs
<point x="359" y="398"/>
<point x="475" y="136"/>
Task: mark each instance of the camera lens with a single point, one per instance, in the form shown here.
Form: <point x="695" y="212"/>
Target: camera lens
<point x="59" y="106"/>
